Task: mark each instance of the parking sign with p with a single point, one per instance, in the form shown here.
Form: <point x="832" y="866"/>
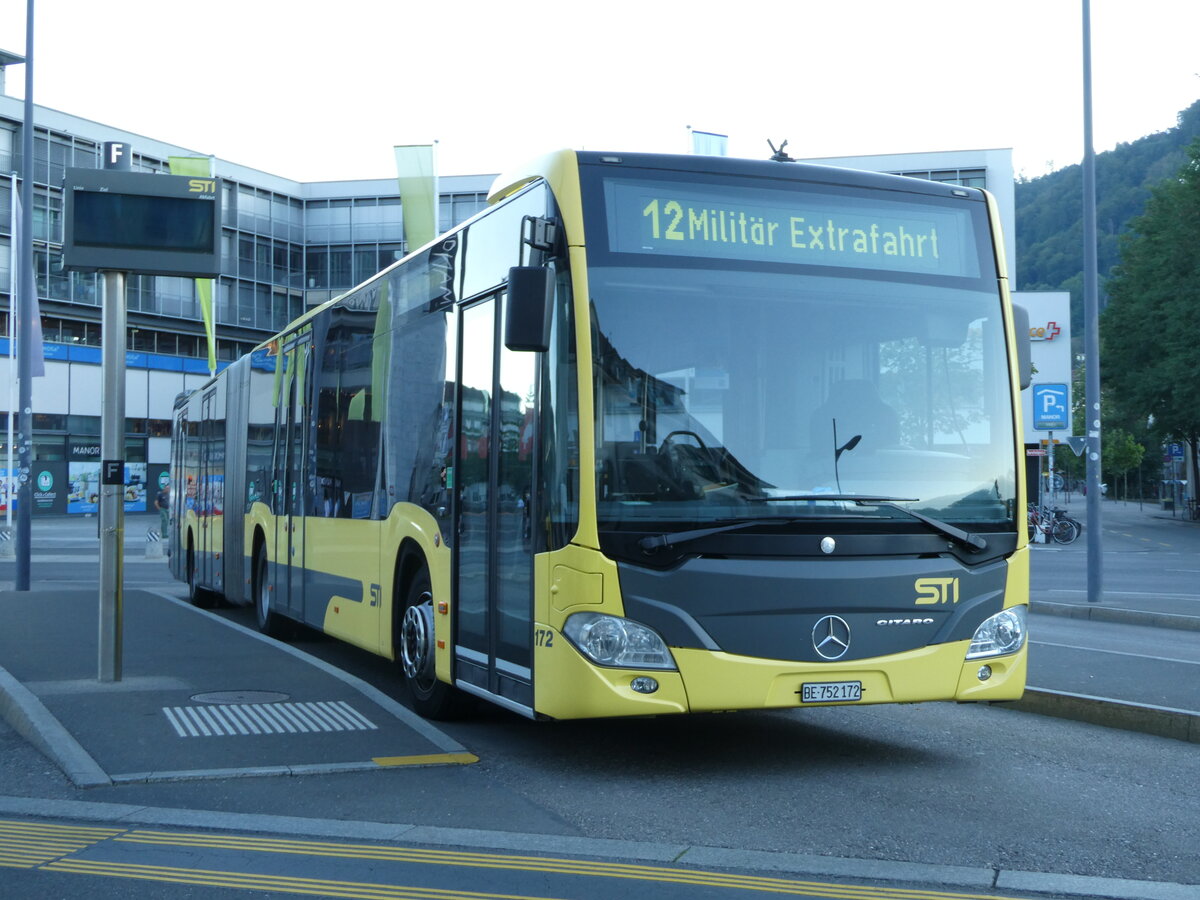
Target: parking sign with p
<point x="1051" y="407"/>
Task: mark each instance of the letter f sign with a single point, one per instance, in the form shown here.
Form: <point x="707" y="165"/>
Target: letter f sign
<point x="117" y="155"/>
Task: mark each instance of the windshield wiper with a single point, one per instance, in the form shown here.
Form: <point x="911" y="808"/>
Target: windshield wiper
<point x="855" y="498"/>
<point x="966" y="538"/>
<point x="682" y="537"/>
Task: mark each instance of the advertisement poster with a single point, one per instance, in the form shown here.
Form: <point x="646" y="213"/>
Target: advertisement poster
<point x="49" y="488"/>
<point x="84" y="492"/>
<point x="135" y="487"/>
<point x="84" y="496"/>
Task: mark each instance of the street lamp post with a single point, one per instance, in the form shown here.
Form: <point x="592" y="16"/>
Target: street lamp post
<point x="1091" y="335"/>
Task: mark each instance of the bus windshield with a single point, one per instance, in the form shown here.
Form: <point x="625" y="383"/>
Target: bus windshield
<point x="731" y="378"/>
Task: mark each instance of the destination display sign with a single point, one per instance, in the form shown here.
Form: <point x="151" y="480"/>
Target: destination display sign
<point x="790" y="225"/>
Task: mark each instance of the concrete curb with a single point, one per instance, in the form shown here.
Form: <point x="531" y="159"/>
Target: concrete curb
<point x="800" y="865"/>
<point x="1116" y="615"/>
<point x="30" y="719"/>
<point x="1162" y="721"/>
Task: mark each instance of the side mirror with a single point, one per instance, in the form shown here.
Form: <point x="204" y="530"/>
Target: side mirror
<point x="1024" y="354"/>
<point x="527" y="325"/>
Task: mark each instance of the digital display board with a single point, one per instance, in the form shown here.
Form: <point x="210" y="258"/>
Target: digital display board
<point x="141" y="223"/>
<point x="791" y="225"/>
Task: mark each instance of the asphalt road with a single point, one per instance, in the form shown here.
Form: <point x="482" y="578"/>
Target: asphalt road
<point x="955" y="788"/>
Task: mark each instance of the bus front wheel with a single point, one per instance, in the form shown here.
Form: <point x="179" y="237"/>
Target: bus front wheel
<point x="416" y="654"/>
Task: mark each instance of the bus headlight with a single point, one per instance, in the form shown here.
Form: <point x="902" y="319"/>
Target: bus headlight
<point x="1001" y="634"/>
<point x="612" y="641"/>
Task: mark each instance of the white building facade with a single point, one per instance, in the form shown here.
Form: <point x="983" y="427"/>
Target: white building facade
<point x="286" y="246"/>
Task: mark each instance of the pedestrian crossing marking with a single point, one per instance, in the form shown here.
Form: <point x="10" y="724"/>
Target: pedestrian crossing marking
<point x="248" y="719"/>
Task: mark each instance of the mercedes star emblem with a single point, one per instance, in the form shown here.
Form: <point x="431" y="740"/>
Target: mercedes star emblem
<point x="831" y="637"/>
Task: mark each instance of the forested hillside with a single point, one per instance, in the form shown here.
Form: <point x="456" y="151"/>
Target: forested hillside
<point x="1049" y="209"/>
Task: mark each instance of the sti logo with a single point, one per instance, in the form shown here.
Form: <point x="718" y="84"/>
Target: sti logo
<point x="935" y="591"/>
<point x="204" y="186"/>
<point x="1048" y="332"/>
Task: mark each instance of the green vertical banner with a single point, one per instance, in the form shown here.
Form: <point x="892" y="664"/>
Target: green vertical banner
<point x="418" y="193"/>
<point x="201" y="166"/>
<point x="381" y="352"/>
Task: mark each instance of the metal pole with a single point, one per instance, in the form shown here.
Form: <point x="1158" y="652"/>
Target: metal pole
<point x="25" y="325"/>
<point x="14" y="268"/>
<point x="112" y="477"/>
<point x="1091" y="307"/>
<point x="1050" y="464"/>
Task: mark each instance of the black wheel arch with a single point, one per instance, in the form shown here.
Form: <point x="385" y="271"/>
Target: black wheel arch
<point x="410" y="560"/>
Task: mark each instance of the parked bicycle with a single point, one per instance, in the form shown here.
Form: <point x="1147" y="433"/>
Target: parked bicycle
<point x="1055" y="523"/>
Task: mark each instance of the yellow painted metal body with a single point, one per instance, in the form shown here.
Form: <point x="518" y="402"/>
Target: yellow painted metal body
<point x="567" y="686"/>
<point x="578" y="576"/>
<point x="362" y="554"/>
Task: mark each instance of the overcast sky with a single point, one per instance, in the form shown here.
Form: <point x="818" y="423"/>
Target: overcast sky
<point x="323" y="92"/>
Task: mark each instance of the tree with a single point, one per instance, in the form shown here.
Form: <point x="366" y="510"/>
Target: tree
<point x="1151" y="330"/>
<point x="1049" y="223"/>
<point x="1121" y="450"/>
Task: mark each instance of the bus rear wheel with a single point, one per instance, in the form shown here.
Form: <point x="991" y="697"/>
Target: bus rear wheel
<point x="269" y="622"/>
<point x="416" y="653"/>
<point x="197" y="596"/>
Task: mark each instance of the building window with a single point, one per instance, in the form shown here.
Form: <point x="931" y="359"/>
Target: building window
<point x="973" y="178"/>
<point x="317" y="267"/>
<point x="340" y="273"/>
<point x="141" y="341"/>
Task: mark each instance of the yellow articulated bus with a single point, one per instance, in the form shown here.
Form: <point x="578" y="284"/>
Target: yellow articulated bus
<point x="650" y="434"/>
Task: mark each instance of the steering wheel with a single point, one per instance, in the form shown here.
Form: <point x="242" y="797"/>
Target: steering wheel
<point x="681" y="471"/>
<point x="663" y="447"/>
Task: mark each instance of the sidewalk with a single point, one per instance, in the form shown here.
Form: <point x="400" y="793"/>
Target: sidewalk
<point x="200" y="697"/>
<point x="195" y="687"/>
<point x="1149" y="525"/>
<point x="1120" y="686"/>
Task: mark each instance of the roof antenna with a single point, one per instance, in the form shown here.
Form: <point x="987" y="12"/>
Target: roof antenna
<point x="780" y="155"/>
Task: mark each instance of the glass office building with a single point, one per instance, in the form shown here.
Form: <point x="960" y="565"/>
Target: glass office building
<point x="285" y="246"/>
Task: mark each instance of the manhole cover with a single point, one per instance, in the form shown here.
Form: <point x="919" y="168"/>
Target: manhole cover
<point x="234" y="697"/>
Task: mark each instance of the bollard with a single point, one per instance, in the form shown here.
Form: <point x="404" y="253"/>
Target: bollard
<point x="8" y="547"/>
<point x="153" y="544"/>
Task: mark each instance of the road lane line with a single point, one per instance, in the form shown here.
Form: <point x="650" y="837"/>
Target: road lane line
<point x="1186" y="662"/>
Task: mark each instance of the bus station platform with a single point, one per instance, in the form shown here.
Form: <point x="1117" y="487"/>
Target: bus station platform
<point x="199" y="697"/>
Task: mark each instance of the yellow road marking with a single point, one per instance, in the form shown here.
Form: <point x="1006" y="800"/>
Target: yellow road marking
<point x="547" y="865"/>
<point x="429" y="759"/>
<point x="48" y="847"/>
<point x="27" y="845"/>
<point x="248" y="880"/>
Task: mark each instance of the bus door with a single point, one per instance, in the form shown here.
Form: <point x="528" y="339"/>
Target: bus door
<point x="179" y="489"/>
<point x="291" y="471"/>
<point x="205" y="563"/>
<point x="494" y="477"/>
